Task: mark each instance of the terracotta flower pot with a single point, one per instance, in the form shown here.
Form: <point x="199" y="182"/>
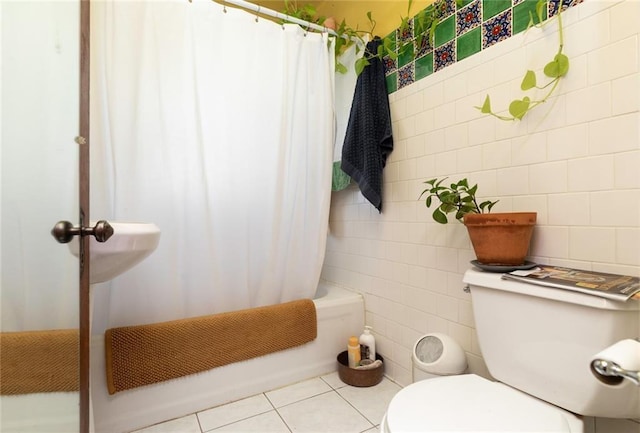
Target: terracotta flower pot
<point x="501" y="238"/>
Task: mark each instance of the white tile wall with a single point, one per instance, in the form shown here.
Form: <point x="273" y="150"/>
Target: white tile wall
<point x="574" y="160"/>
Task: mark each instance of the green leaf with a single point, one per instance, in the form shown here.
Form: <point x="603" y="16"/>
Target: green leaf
<point x="432" y="31"/>
<point x="341" y="68"/>
<point x="486" y="107"/>
<point x="558" y="67"/>
<point x="540" y="7"/>
<point x="519" y="108"/>
<point x="531" y="22"/>
<point x="361" y="63"/>
<point x="529" y="80"/>
<point x="438" y="216"/>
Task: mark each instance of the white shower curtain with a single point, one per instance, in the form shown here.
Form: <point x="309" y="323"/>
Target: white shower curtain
<point x="218" y="128"/>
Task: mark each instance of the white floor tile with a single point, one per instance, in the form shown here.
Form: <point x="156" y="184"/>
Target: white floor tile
<point x="297" y="391"/>
<point x="323" y="413"/>
<point x="269" y="422"/>
<point x="371" y="401"/>
<point x="187" y="424"/>
<point x="333" y="380"/>
<point x="232" y="412"/>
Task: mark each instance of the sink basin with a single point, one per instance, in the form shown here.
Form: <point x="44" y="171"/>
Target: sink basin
<point x="129" y="245"/>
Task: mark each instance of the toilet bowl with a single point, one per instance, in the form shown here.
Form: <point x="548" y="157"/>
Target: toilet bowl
<point x="470" y="403"/>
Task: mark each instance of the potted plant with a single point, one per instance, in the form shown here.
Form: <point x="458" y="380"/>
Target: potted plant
<point x="500" y="239"/>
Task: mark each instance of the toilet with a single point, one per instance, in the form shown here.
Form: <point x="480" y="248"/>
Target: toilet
<point x="538" y="343"/>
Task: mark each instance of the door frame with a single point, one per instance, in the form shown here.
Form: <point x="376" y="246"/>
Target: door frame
<point x="84" y="186"/>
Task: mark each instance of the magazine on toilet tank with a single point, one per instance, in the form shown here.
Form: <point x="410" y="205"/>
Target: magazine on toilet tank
<point x="610" y="286"/>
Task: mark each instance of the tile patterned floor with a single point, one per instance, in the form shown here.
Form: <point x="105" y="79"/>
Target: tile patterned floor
<point x="321" y="404"/>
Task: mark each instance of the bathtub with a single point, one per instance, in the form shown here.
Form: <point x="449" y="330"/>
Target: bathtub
<point x="340" y="314"/>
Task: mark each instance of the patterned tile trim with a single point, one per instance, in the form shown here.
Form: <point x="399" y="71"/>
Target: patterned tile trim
<point x="466" y="16"/>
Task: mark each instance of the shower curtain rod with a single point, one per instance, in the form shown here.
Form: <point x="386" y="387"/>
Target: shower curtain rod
<point x="270" y="12"/>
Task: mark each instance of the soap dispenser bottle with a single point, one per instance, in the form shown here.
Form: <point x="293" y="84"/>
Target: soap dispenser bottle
<point x="368" y="344"/>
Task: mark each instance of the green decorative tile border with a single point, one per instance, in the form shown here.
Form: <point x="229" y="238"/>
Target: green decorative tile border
<point x="465" y="28"/>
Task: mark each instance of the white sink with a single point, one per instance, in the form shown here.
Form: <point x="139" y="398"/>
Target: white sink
<point x="129" y="245"/>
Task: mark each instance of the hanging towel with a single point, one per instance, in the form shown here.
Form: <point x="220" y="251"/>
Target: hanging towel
<point x="345" y="85"/>
<point x="369" y="139"/>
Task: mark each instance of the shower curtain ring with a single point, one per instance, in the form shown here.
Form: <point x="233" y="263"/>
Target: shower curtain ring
<point x="224" y="7"/>
<point x="257" y="13"/>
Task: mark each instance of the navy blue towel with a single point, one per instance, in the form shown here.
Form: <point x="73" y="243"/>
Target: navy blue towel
<point x="368" y="140"/>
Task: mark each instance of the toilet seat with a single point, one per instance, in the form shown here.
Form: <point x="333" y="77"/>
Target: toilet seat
<point x="469" y="403"/>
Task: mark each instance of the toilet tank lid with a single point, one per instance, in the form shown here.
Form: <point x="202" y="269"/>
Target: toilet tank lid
<point x="471" y="403"/>
<point x="494" y="280"/>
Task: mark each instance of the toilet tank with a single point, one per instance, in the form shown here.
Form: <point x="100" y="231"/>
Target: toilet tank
<point x="541" y="341"/>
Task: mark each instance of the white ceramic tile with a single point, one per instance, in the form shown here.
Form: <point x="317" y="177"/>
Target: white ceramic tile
<point x="566" y="143"/>
<point x="589" y="33"/>
<point x="465" y="313"/>
<point x="397" y="107"/>
<point x="628" y="246"/>
<point x="333" y="380"/>
<point x="269" y="422"/>
<point x="615" y="208"/>
<point x="415" y="146"/>
<point x="445" y="114"/>
<point x="548" y="178"/>
<point x="456" y="136"/>
<point x="531" y="203"/>
<point x="414" y="104"/>
<point x="588" y="104"/>
<point x="625" y="19"/>
<point x="550" y="241"/>
<point x="455" y="88"/>
<point x="425" y="122"/>
<point x="513" y="181"/>
<point x="615" y="134"/>
<point x="496" y="154"/>
<point x="461" y="334"/>
<point x="404" y="128"/>
<point x="591" y="174"/>
<point x="232" y="412"/>
<point x="187" y="424"/>
<point x="433" y="95"/>
<point x="371" y="401"/>
<point x="447" y="307"/>
<point x="480" y="77"/>
<point x="626" y="170"/>
<point x="401" y="355"/>
<point x="529" y="149"/>
<point x="434" y="142"/>
<point x="323" y="413"/>
<point x="482" y="130"/>
<point x="625" y="94"/>
<point x="548" y="116"/>
<point x="592" y="244"/>
<point x="569" y="209"/>
<point x="613" y="61"/>
<point x="297" y="391"/>
<point x="446" y="162"/>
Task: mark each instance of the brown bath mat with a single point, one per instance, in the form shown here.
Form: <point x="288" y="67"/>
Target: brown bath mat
<point x="146" y="354"/>
<point x="39" y="361"/>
